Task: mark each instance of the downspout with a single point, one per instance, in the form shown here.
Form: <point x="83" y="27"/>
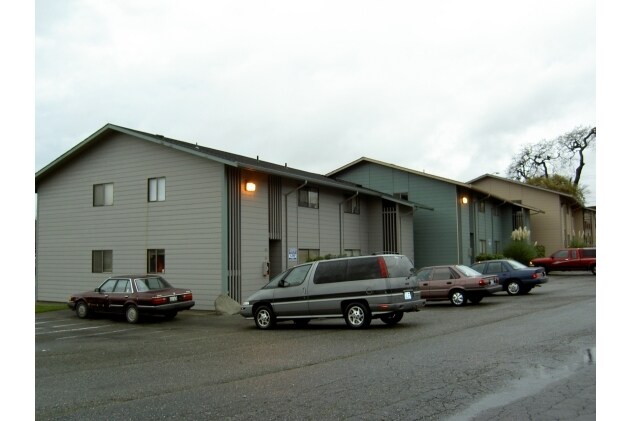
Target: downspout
<point x="287" y="224"/>
<point x="342" y="220"/>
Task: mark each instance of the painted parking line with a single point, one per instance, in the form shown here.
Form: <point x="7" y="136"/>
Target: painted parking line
<point x="49" y="332"/>
<point x="94" y="334"/>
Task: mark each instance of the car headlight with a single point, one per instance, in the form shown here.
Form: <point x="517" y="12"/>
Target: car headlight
<point x="246" y="303"/>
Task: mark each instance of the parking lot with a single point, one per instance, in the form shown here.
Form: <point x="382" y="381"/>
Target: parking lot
<point x="521" y="357"/>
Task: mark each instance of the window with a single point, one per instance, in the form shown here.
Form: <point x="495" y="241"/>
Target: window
<point x="103" y="194"/>
<point x="108" y="286"/>
<point x="495" y="267"/>
<point x="402" y="196"/>
<point x="308" y="197"/>
<point x="482" y="247"/>
<point x="308" y="255"/>
<point x="101" y="261"/>
<point x="297" y="275"/>
<point x="440" y="274"/>
<point x="155" y="261"/>
<point x="331" y="271"/>
<point x="481" y="206"/>
<point x="351" y="204"/>
<point x="123" y="285"/>
<point x="352" y="252"/>
<point x="157" y="189"/>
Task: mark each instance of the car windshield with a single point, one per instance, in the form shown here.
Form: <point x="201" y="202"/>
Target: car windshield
<point x="516" y="265"/>
<point x="150" y="283"/>
<point x="467" y="271"/>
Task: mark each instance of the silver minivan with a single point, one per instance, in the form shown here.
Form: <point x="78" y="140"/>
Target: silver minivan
<point x="355" y="288"/>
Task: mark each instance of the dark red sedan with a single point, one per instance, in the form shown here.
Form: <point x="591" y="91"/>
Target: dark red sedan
<point x="133" y="296"/>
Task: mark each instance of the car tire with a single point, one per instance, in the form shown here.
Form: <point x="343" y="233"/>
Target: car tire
<point x="475" y="299"/>
<point x="593" y="269"/>
<point x="514" y="287"/>
<point x="131" y="314"/>
<point x="458" y="298"/>
<point x="392" y="318"/>
<point x="82" y="309"/>
<point x="357" y="316"/>
<point x="264" y="317"/>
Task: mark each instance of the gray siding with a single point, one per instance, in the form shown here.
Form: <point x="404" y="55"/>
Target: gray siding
<point x="254" y="233"/>
<point x="187" y="225"/>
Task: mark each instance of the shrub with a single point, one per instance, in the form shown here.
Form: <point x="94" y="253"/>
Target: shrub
<point x="487" y="256"/>
<point x="521" y="251"/>
<point x="520" y="248"/>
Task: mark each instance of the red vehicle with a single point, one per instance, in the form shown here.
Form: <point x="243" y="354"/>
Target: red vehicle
<point x="456" y="283"/>
<point x="133" y="296"/>
<point x="568" y="260"/>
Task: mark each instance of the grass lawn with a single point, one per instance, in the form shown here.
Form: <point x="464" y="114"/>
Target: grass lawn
<point x="41" y="307"/>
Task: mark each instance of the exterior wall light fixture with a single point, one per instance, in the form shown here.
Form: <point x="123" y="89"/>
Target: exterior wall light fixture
<point x="465" y="200"/>
<point x="250" y="186"/>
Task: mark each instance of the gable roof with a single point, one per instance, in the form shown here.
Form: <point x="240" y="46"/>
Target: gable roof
<point x="433" y="177"/>
<point x="521" y="184"/>
<point x="226" y="158"/>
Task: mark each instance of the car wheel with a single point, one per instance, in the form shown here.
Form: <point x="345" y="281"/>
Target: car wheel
<point x="475" y="299"/>
<point x="82" y="310"/>
<point x="357" y="316"/>
<point x="131" y="313"/>
<point x="392" y="318"/>
<point x="513" y="287"/>
<point x="264" y="317"/>
<point x="458" y="298"/>
<point x="594" y="269"/>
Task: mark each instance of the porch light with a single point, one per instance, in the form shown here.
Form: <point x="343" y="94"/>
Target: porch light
<point x="250" y="186"/>
<point x="464" y="200"/>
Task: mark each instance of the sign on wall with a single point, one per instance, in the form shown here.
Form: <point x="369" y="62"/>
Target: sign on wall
<point x="293" y="254"/>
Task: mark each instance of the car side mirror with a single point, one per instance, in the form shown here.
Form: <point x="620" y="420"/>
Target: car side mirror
<point x="97" y="289"/>
<point x="283" y="283"/>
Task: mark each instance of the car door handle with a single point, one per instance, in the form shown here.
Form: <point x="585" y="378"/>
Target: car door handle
<point x="449" y="283"/>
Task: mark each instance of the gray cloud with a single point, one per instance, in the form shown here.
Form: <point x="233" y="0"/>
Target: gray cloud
<point x="453" y="88"/>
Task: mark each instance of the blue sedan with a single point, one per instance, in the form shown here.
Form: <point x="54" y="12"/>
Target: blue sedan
<point x="515" y="277"/>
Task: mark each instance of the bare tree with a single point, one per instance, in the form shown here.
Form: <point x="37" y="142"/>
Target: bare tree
<point x="560" y="156"/>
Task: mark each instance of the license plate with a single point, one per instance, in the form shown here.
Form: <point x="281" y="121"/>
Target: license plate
<point x="173" y="299"/>
<point x="407" y="295"/>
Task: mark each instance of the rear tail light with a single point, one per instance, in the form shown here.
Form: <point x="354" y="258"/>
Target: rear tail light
<point x="483" y="282"/>
<point x="158" y="300"/>
<point x="382" y="267"/>
<point x="187" y="296"/>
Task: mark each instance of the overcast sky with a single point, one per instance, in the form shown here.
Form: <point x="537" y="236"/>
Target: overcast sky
<point x="453" y="88"/>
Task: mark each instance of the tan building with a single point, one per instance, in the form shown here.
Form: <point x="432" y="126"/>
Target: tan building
<point x="562" y="217"/>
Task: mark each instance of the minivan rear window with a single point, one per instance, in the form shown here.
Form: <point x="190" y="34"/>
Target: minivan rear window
<point x="589" y="252"/>
<point x="398" y="266"/>
<point x="366" y="268"/>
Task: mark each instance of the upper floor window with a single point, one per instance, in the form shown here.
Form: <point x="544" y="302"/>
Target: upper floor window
<point x="351" y="204"/>
<point x="157" y="189"/>
<point x="102" y="261"/>
<point x="308" y="197"/>
<point x="103" y="194"/>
